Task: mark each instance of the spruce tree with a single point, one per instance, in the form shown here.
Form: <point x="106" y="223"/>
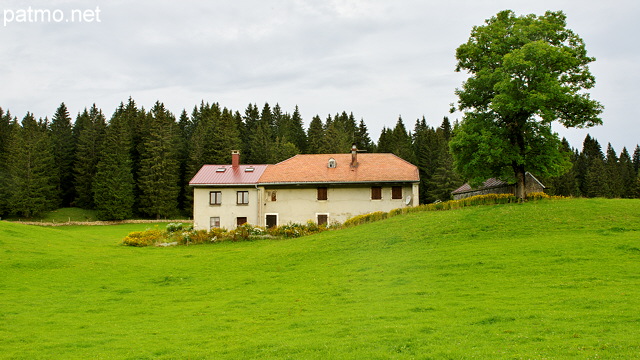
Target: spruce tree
<point x="185" y="130"/>
<point x="614" y="181"/>
<point x="250" y="120"/>
<point x="5" y="138"/>
<point x="226" y="137"/>
<point x="282" y="150"/>
<point x="295" y="131"/>
<point x="64" y="153"/>
<point x="335" y="140"/>
<point x="159" y="167"/>
<point x="628" y="177"/>
<point x="362" y="138"/>
<point x="385" y="141"/>
<point x="401" y="142"/>
<point x="566" y="184"/>
<point x="113" y="186"/>
<point x="590" y="169"/>
<point x="91" y="126"/>
<point x="32" y="183"/>
<point x="636" y="159"/>
<point x="315" y="135"/>
<point x="261" y="145"/>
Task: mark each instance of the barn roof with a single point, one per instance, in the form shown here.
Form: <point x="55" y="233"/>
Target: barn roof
<point x="491" y="184"/>
<point x="488" y="184"/>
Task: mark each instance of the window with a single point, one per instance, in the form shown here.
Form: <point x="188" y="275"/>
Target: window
<point x="323" y="219"/>
<point x="242" y="198"/>
<point x="332" y="163"/>
<point x="322" y="193"/>
<point x="272" y="220"/>
<point x="215" y="197"/>
<point x="214" y="222"/>
<point x="241" y="220"/>
<point x="272" y="195"/>
<point x="396" y="192"/>
<point x="376" y="193"/>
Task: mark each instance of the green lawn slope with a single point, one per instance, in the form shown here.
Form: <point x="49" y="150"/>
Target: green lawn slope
<point x="548" y="279"/>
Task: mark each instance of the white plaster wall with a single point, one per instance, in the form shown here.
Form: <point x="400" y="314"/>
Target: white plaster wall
<point x="228" y="211"/>
<point x="299" y="205"/>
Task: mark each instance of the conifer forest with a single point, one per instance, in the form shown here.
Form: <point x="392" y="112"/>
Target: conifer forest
<point x="138" y="162"/>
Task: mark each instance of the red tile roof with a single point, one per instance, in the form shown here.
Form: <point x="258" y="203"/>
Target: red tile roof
<point x="227" y="175"/>
<point x="313" y="168"/>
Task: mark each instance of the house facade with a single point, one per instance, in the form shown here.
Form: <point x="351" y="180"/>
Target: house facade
<point x="497" y="186"/>
<point x="323" y="188"/>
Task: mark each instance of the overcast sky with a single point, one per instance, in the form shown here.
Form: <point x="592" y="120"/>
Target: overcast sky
<point x="377" y="59"/>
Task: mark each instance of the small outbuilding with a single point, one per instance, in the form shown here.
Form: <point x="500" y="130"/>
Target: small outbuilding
<point x="497" y="186"/>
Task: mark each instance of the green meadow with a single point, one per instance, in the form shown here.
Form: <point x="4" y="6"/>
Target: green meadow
<point x="553" y="279"/>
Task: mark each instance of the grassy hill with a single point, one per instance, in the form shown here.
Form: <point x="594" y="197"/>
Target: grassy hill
<point x="548" y="279"/>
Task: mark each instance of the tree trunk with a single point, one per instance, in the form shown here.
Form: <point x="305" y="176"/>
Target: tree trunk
<point x="521" y="192"/>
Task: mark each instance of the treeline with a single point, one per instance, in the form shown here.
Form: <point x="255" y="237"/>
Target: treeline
<point x="138" y="162"/>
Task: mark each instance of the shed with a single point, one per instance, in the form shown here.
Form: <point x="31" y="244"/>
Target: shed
<point x="497" y="186"/>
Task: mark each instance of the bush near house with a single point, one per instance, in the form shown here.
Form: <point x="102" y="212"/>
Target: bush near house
<point x="180" y="234"/>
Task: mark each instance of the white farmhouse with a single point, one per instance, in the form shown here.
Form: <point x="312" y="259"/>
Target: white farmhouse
<point x="323" y="188"/>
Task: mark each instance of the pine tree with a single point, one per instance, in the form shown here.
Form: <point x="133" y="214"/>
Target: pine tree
<point x="261" y="145"/>
<point x="185" y="130"/>
<point x="90" y="134"/>
<point x="282" y="150"/>
<point x="114" y="185"/>
<point x="385" y="141"/>
<point x="614" y="181"/>
<point x="636" y="159"/>
<point x="362" y="139"/>
<point x="5" y="138"/>
<point x="64" y="153"/>
<point x="159" y="168"/>
<point x="401" y="141"/>
<point x="335" y="140"/>
<point x="627" y="175"/>
<point x="445" y="127"/>
<point x="226" y="137"/>
<point x="32" y="183"/>
<point x="250" y="120"/>
<point x="590" y="169"/>
<point x="295" y="131"/>
<point x="566" y="184"/>
<point x="315" y="136"/>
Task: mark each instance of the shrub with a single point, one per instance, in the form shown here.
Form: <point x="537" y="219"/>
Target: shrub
<point x="143" y="238"/>
<point x="195" y="237"/>
<point x="174" y="227"/>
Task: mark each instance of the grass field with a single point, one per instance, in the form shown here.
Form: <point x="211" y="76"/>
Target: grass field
<point x="543" y="280"/>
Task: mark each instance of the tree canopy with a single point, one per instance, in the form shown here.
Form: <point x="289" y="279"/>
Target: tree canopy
<point x="526" y="72"/>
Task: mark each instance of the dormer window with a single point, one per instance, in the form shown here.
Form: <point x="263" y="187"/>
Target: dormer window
<point x="332" y="163"/>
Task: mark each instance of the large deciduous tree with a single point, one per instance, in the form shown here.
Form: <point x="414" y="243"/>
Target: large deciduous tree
<point x="526" y="72"/>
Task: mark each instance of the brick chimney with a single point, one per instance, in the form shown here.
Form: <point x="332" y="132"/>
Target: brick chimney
<point x="235" y="158"/>
<point x="354" y="156"/>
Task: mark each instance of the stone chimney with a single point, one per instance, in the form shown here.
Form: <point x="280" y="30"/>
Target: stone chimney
<point x="354" y="156"/>
<point x="235" y="158"/>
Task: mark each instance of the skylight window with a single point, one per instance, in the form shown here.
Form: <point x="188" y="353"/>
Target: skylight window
<point x="249" y="170"/>
<point x="220" y="170"/>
